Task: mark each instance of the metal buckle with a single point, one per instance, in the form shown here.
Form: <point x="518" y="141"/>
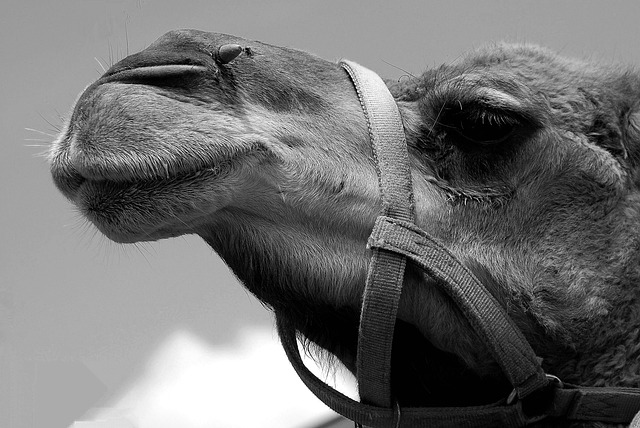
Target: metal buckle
<point x="538" y="409"/>
<point x="398" y="414"/>
<point x="513" y="397"/>
<point x="556" y="380"/>
<point x="532" y="411"/>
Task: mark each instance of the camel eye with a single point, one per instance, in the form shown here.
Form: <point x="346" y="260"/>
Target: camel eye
<point x="484" y="127"/>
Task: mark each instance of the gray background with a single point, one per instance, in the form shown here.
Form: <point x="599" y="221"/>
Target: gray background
<point x="83" y="319"/>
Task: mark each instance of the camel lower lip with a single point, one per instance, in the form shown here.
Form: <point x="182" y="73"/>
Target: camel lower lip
<point x="147" y="209"/>
<point x="94" y="197"/>
<point x="99" y="186"/>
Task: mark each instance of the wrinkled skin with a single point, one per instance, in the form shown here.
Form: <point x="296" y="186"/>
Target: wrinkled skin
<point x="525" y="165"/>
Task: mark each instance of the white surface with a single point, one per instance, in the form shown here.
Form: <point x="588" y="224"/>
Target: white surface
<point x="191" y="384"/>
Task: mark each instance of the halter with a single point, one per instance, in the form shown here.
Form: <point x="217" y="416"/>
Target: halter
<point x="394" y="240"/>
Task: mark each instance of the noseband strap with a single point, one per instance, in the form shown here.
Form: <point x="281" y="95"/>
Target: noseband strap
<point x="396" y="239"/>
<point x="386" y="270"/>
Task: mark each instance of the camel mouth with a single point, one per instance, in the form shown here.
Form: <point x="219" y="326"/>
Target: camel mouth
<point x="128" y="203"/>
<point x="106" y="185"/>
<point x="143" y="210"/>
<point x="75" y="165"/>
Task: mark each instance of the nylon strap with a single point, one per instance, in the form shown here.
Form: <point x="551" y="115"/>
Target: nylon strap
<point x="383" y="287"/>
<point x="614" y="405"/>
<point x="386" y="133"/>
<point x="505" y="341"/>
<point x="498" y="415"/>
<point x="611" y="405"/>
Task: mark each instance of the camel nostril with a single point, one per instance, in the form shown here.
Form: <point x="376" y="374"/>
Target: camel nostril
<point x="157" y="62"/>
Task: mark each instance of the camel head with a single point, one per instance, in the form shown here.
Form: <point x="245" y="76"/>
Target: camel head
<point x="525" y="165"/>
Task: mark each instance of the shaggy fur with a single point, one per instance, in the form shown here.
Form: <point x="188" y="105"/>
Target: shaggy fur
<point x="525" y="165"/>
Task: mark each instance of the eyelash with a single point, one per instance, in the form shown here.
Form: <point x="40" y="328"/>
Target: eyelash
<point x="480" y="125"/>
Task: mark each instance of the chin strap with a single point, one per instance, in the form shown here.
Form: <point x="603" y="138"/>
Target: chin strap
<point x="394" y="240"/>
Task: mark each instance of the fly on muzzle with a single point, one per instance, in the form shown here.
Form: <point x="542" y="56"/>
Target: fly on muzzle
<point x="227" y="53"/>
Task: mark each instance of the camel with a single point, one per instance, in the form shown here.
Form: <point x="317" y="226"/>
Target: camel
<point x="525" y="165"/>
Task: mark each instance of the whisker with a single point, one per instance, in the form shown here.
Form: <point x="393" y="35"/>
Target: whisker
<point x="44" y="154"/>
<point x="401" y="69"/>
<point x="174" y="215"/>
<point x="435" y="122"/>
<point x="56" y="128"/>
<point x="60" y="116"/>
<point x="104" y="70"/>
<point x="126" y="35"/>
<point x="139" y="248"/>
<point x="40" y="132"/>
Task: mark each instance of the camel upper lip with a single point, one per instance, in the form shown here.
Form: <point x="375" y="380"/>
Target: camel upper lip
<point x="69" y="179"/>
<point x="70" y="176"/>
